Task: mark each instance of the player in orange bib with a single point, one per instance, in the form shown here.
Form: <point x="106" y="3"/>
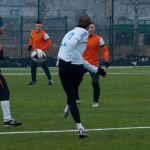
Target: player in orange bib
<point x="91" y="55"/>
<point x="39" y="40"/>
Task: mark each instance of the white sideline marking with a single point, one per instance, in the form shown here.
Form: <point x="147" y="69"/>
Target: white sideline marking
<point x="56" y="73"/>
<point x="66" y="131"/>
<point x="54" y="68"/>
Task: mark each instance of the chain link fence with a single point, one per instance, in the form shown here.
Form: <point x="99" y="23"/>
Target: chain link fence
<point x="17" y="34"/>
<point x="118" y="34"/>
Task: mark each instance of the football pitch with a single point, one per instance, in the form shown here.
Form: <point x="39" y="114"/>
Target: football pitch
<point x="122" y="122"/>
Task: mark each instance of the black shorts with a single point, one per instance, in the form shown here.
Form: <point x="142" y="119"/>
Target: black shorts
<point x="4" y="91"/>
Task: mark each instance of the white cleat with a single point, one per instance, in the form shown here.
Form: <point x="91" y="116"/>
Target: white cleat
<point x="95" y="104"/>
<point x="82" y="133"/>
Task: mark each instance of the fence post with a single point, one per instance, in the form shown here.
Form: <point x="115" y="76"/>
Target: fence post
<point x="66" y="25"/>
<point x="21" y="40"/>
<point x="110" y="37"/>
<point x="112" y="30"/>
<point x="38" y="9"/>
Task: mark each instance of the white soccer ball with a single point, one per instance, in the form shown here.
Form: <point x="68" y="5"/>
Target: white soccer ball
<point x="38" y="55"/>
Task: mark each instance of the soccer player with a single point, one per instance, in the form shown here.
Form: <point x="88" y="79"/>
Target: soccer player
<point x="91" y="55"/>
<point x="4" y="92"/>
<point x="39" y="40"/>
<point x="71" y="64"/>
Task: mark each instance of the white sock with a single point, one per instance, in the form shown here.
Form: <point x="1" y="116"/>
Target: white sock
<point x="79" y="126"/>
<point x="6" y="110"/>
<point x="67" y="109"/>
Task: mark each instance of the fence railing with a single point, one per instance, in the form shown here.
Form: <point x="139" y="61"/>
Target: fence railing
<point x="17" y="34"/>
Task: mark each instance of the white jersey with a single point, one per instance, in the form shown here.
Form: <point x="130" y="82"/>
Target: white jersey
<point x="72" y="47"/>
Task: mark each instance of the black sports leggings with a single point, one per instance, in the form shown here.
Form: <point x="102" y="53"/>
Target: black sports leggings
<point x="34" y="66"/>
<point x="71" y="77"/>
<point x="4" y="91"/>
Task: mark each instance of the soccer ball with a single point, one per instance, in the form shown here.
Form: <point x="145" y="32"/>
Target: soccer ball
<point x="38" y="55"/>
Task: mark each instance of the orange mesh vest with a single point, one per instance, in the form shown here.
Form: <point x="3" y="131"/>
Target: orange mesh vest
<point x="91" y="54"/>
<point x="38" y="42"/>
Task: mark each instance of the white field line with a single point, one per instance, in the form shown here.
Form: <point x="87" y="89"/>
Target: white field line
<point x="54" y="68"/>
<point x="56" y="73"/>
<point x="66" y="131"/>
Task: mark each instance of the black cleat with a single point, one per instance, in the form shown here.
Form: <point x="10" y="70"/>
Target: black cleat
<point x="12" y="123"/>
<point x="65" y="115"/>
<point x="32" y="83"/>
<point x="82" y="134"/>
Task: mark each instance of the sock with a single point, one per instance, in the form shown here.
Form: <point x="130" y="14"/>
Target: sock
<point x="67" y="109"/>
<point x="79" y="126"/>
<point x="6" y="110"/>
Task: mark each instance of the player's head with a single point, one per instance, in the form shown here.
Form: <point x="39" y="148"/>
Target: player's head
<point x="91" y="28"/>
<point x="1" y="25"/>
<point x="84" y="22"/>
<point x="38" y="26"/>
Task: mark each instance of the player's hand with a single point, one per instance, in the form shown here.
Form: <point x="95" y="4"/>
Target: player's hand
<point x="101" y="72"/>
<point x="106" y="64"/>
<point x="29" y="47"/>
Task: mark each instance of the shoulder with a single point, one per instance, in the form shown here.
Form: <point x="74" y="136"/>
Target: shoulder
<point x="43" y="32"/>
<point x="33" y="32"/>
<point x="97" y="36"/>
<point x="82" y="33"/>
<point x="80" y="30"/>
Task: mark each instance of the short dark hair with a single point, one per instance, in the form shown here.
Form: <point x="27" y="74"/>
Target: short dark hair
<point x="38" y="22"/>
<point x="84" y="22"/>
<point x="92" y="22"/>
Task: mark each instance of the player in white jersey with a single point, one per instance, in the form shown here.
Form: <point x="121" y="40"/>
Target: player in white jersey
<point x="71" y="65"/>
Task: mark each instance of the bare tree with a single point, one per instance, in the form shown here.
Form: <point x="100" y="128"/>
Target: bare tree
<point x="102" y="7"/>
<point x="136" y="33"/>
<point x="46" y="6"/>
<point x="133" y="7"/>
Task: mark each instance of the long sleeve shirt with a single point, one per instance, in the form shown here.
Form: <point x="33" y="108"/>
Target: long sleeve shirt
<point x="72" y="47"/>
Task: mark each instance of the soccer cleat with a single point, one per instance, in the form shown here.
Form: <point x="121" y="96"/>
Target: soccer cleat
<point x="95" y="104"/>
<point x="12" y="123"/>
<point x="65" y="114"/>
<point x="82" y="133"/>
<point x="32" y="83"/>
<point x="50" y="82"/>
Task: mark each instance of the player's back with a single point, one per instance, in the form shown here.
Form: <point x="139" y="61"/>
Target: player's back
<point x="72" y="42"/>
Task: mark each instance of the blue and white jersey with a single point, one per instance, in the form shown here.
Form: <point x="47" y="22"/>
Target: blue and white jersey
<point x="72" y="47"/>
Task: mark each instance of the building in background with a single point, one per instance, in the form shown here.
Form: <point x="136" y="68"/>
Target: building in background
<point x="60" y="16"/>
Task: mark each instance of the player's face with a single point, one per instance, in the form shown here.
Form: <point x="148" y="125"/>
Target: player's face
<point x="38" y="27"/>
<point x="91" y="29"/>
